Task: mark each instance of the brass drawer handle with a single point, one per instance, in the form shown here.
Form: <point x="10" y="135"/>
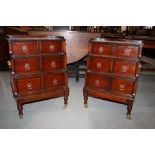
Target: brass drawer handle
<point x="29" y="86"/>
<point x="27" y="66"/>
<point x="122" y="87"/>
<point x="55" y="82"/>
<point x="25" y="49"/>
<point x="124" y="68"/>
<point x="99" y="65"/>
<point x="127" y="52"/>
<point x="53" y="64"/>
<point x="97" y="82"/>
<point x="101" y="50"/>
<point x="52" y="48"/>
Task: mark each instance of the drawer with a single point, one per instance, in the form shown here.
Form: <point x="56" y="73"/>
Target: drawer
<point x="127" y="51"/>
<point x="98" y="81"/>
<point x="100" y="48"/>
<point x="51" y="46"/>
<point x="26" y="65"/>
<point x="28" y="84"/>
<point x="122" y="86"/>
<point x="100" y="64"/>
<point x="54" y="80"/>
<point x="125" y="68"/>
<point x="53" y="63"/>
<point x="24" y="48"/>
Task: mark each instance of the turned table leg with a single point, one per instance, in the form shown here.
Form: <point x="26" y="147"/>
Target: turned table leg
<point x="129" y="108"/>
<point x="66" y="97"/>
<point x="85" y="95"/>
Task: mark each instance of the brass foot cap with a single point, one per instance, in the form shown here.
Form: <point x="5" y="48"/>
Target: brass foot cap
<point x="21" y="116"/>
<point x="129" y="117"/>
<point x="86" y="105"/>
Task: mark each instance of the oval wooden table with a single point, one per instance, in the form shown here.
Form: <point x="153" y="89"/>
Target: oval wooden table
<point x="76" y="42"/>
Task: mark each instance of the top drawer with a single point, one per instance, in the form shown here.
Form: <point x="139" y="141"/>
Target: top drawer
<point x="127" y="51"/>
<point x="24" y="48"/>
<point x="51" y="46"/>
<point x="100" y="49"/>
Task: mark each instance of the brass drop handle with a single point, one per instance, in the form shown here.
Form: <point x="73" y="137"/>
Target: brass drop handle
<point x="99" y="65"/>
<point x="121" y="87"/>
<point x="97" y="82"/>
<point x="101" y="50"/>
<point x="55" y="82"/>
<point x="51" y="48"/>
<point x="127" y="52"/>
<point x="124" y="68"/>
<point x="25" y="48"/>
<point x="27" y="66"/>
<point x="53" y="64"/>
<point x="140" y="66"/>
<point x="29" y="86"/>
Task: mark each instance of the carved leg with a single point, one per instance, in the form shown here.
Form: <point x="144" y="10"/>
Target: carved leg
<point x="66" y="97"/>
<point x="85" y="97"/>
<point x="20" y="110"/>
<point x="129" y="108"/>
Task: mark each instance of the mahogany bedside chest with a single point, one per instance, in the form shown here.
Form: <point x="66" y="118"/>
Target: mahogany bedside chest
<point x="113" y="68"/>
<point x="38" y="65"/>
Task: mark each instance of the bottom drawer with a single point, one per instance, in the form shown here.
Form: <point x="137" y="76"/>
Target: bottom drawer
<point x="54" y="80"/>
<point x="97" y="80"/>
<point x="28" y="84"/>
<point x="122" y="86"/>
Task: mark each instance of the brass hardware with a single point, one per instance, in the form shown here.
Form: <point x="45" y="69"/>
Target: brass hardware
<point x="13" y="73"/>
<point x="133" y="94"/>
<point x="55" y="82"/>
<point x="25" y="49"/>
<point x="53" y="64"/>
<point x="52" y="48"/>
<point x="21" y="116"/>
<point x="127" y="52"/>
<point x="9" y="64"/>
<point x="137" y="75"/>
<point x="101" y="50"/>
<point x="99" y="65"/>
<point x="10" y="52"/>
<point x="140" y="66"/>
<point x="97" y="82"/>
<point x="121" y="86"/>
<point x="140" y="56"/>
<point x="29" y="86"/>
<point x="27" y="66"/>
<point x="15" y="93"/>
<point x="86" y="105"/>
<point x="129" y="117"/>
<point x="124" y="68"/>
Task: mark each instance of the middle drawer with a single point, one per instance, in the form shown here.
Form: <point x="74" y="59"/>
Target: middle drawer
<point x="53" y="63"/>
<point x="100" y="64"/>
<point x="26" y="65"/>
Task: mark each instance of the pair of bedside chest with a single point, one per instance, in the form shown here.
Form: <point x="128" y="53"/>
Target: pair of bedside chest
<point x="39" y="69"/>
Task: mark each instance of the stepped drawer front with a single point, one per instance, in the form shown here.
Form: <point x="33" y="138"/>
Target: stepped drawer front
<point x="54" y="63"/>
<point x="122" y="86"/>
<point x="125" y="68"/>
<point x="51" y="46"/>
<point x="54" y="80"/>
<point x="100" y="49"/>
<point x="100" y="64"/>
<point x="24" y="48"/>
<point x="127" y="51"/>
<point x="98" y="81"/>
<point x="26" y="65"/>
<point x="28" y="84"/>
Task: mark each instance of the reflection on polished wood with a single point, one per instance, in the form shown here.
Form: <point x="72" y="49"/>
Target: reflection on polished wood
<point x="76" y="42"/>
